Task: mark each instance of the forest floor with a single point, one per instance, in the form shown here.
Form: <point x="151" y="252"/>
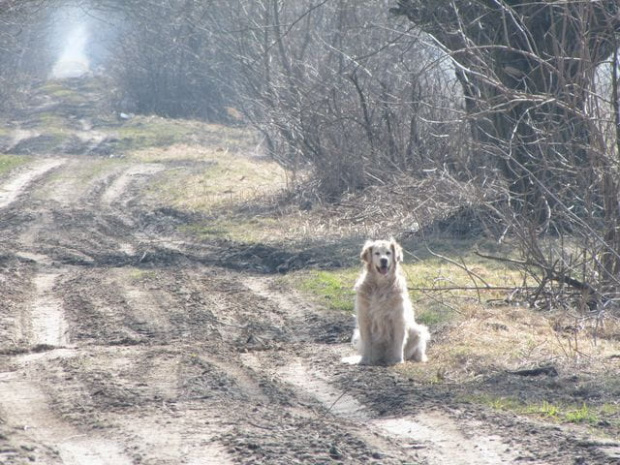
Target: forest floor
<point x="128" y="338"/>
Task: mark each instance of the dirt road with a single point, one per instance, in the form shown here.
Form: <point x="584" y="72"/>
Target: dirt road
<point x="122" y="342"/>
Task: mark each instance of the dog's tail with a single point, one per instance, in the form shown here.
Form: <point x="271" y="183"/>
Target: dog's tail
<point x="416" y="343"/>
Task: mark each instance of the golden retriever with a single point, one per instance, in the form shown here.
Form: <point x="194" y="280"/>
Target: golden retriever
<point x="386" y="332"/>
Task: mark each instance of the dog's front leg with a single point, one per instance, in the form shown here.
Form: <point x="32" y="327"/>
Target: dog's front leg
<point x="395" y="353"/>
<point x="364" y="342"/>
<point x="365" y="345"/>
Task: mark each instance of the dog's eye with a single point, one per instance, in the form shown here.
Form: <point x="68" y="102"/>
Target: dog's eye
<point x="388" y="253"/>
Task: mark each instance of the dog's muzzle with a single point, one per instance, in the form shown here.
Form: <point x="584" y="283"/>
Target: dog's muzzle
<point x="383" y="266"/>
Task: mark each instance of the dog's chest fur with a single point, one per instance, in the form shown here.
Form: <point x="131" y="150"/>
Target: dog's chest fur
<point x="383" y="298"/>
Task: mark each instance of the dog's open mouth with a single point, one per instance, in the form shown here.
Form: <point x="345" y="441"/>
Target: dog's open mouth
<point x="383" y="269"/>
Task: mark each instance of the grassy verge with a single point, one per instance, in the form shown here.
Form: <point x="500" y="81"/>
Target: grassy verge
<point x="10" y="162"/>
<point x="594" y="415"/>
<point x="330" y="289"/>
<point x="141" y="133"/>
<point x="216" y="180"/>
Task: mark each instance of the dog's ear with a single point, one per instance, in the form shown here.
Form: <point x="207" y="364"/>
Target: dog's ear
<point x="366" y="254"/>
<point x="397" y="250"/>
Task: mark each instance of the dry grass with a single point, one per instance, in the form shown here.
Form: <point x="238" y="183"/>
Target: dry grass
<point x="155" y="138"/>
<point x="485" y="340"/>
<point x="274" y="215"/>
<point x="251" y="198"/>
<point x="481" y="354"/>
<point x="222" y="179"/>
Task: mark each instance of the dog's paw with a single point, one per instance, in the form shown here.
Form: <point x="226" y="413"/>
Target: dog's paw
<point x="352" y="360"/>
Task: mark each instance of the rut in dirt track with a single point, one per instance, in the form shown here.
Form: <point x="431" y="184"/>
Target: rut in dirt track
<point x="122" y="343"/>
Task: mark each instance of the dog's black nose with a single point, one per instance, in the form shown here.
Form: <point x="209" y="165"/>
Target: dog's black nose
<point x="384" y="262"/>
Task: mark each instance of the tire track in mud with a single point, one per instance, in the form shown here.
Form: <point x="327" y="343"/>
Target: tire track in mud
<point x="26" y="401"/>
<point x="176" y="444"/>
<point x="429" y="436"/>
<point x="143" y="397"/>
<point x="173" y="432"/>
<point x="170" y="426"/>
<point x="44" y="323"/>
<point x="49" y="325"/>
<point x="17" y="185"/>
<point x="114" y="192"/>
<point x="24" y="406"/>
<point x="142" y="375"/>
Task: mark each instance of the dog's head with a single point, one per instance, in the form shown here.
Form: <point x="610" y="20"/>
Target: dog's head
<point x="382" y="257"/>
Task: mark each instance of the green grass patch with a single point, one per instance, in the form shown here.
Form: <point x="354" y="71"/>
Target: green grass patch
<point x="332" y="289"/>
<point x="10" y="162"/>
<point x="433" y="314"/>
<point x="137" y="274"/>
<point x="544" y="409"/>
<point x="136" y="137"/>
<point x="551" y="411"/>
<point x="583" y="414"/>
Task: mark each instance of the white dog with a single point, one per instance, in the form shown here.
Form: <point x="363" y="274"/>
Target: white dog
<point x="386" y="331"/>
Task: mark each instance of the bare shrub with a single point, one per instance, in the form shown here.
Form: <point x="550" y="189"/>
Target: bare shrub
<point x="545" y="133"/>
<point x="339" y="88"/>
<point x="163" y="62"/>
<point x="25" y="52"/>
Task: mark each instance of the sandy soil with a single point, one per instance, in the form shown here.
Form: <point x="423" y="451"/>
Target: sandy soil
<point x="124" y="343"/>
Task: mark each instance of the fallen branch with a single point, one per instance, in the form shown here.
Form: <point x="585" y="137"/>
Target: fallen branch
<point x="472" y="275"/>
<point x="461" y="265"/>
<point x="463" y="288"/>
<point x="549" y="371"/>
<point x="551" y="275"/>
